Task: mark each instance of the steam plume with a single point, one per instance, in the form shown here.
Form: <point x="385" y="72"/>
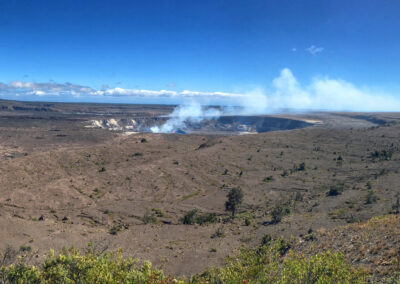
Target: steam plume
<point x="184" y="114"/>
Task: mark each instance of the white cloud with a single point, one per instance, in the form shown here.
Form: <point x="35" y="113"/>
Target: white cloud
<point x="20" y="88"/>
<point x="286" y="93"/>
<point x="314" y="50"/>
<point x="67" y="89"/>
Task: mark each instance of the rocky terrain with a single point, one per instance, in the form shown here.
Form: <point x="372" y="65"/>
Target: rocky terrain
<point x="66" y="184"/>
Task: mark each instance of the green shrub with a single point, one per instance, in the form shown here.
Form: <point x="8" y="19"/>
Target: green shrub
<point x="115" y="229"/>
<point x="383" y="155"/>
<point x="266" y="240"/>
<point x="396" y="206"/>
<point x="219" y="233"/>
<point x="235" y="199"/>
<point x="190" y="217"/>
<point x="70" y="266"/>
<point x="157" y="212"/>
<point x="25" y="248"/>
<point x="278" y="212"/>
<point x="267" y="265"/>
<point x="268" y="179"/>
<point x="370" y="197"/>
<point x="149" y="217"/>
<point x="298" y="196"/>
<point x="206" y="218"/>
<point x="335" y="190"/>
<point x="193" y="217"/>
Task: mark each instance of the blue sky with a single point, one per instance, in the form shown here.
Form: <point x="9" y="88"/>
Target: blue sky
<point x="232" y="47"/>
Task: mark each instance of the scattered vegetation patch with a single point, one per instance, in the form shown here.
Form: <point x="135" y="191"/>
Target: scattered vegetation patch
<point x="235" y="199"/>
<point x="193" y="217"/>
<point x="341" y="213"/>
<point x="268" y="265"/>
<point x="158" y="212"/>
<point x="396" y="207"/>
<point x="281" y="209"/>
<point x="185" y="197"/>
<point x="219" y="233"/>
<point x="246" y="216"/>
<point x="335" y="190"/>
<point x="150" y="217"/>
<point x="70" y="266"/>
<point x="25" y="248"/>
<point x="302" y="167"/>
<point x="371" y="197"/>
<point x="268" y="179"/>
<point x="277" y="213"/>
<point x="97" y="193"/>
<point x="117" y="227"/>
<point x="382" y="155"/>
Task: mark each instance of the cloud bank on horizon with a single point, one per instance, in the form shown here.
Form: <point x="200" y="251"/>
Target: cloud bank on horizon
<point x="286" y="93"/>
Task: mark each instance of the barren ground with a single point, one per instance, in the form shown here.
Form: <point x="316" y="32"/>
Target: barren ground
<point x="66" y="185"/>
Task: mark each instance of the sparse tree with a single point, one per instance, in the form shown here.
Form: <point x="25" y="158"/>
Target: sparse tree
<point x="235" y="199"/>
<point x="370" y="197"/>
<point x="396" y="205"/>
<point x="277" y="213"/>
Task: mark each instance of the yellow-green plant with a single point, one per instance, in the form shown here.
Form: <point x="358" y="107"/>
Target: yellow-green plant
<point x="70" y="266"/>
<point x="268" y="265"/>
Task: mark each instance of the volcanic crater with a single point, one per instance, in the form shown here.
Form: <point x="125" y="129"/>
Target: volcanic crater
<point x="226" y="124"/>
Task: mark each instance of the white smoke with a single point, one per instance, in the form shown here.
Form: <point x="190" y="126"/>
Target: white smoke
<point x="286" y="94"/>
<point x="187" y="113"/>
<point x="326" y="94"/>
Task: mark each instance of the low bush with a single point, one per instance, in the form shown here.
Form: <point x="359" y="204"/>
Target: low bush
<point x="335" y="190"/>
<point x="158" y="212"/>
<point x="268" y="179"/>
<point x="382" y="155"/>
<point x="149" y="217"/>
<point x="70" y="266"/>
<point x="371" y="198"/>
<point x="268" y="265"/>
<point x="193" y="217"/>
<point x="278" y="212"/>
<point x="219" y="233"/>
<point x="271" y="263"/>
<point x="302" y="167"/>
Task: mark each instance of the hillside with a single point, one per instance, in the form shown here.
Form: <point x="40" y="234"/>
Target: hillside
<point x="64" y="184"/>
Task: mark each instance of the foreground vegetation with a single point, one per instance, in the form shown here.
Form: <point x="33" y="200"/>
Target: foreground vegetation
<point x="273" y="262"/>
